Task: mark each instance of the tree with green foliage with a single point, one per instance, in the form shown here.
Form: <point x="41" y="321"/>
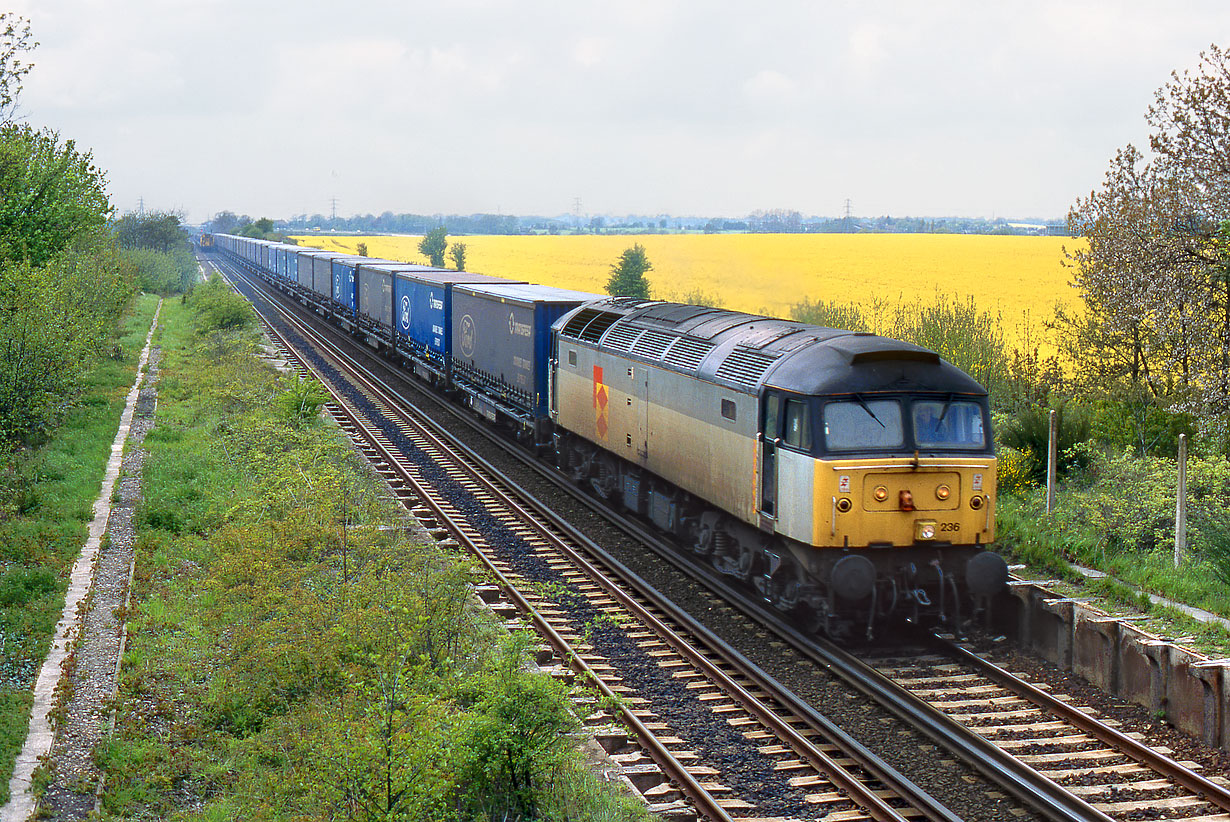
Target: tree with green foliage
<point x="1154" y="274"/>
<point x="361" y="249"/>
<point x="227" y="222"/>
<point x="53" y="194"/>
<point x="54" y="323"/>
<point x="458" y="255"/>
<point x="261" y="229"/>
<point x="161" y="231"/>
<point x="63" y="286"/>
<point x="156" y="245"/>
<point x="628" y="275"/>
<point x="433" y="245"/>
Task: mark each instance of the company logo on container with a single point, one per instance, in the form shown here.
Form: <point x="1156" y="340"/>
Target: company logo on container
<point x="405" y="313"/>
<point x="516" y="329"/>
<point x="467" y="336"/>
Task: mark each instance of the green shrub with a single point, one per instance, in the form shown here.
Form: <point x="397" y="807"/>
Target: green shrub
<point x="1012" y="470"/>
<point x="1028" y="431"/>
<point x="516" y="737"/>
<point x="1141" y="424"/>
<point x="162" y="272"/>
<point x="21" y="585"/>
<point x="218" y="308"/>
<point x="301" y="401"/>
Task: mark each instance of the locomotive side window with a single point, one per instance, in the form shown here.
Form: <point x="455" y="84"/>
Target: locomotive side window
<point x="728" y="409"/>
<point x="951" y="424"/>
<point x="797" y="425"/>
<point x="865" y="424"/>
<point x="772" y="409"/>
<point x="572" y="358"/>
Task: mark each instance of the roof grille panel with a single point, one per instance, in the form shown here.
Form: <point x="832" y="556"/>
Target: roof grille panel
<point x="653" y="344"/>
<point x="743" y="365"/>
<point x="688" y="352"/>
<point x="620" y="337"/>
<point x="589" y="323"/>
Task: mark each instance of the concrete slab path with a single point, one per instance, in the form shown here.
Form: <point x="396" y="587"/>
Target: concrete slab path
<point x="41" y="734"/>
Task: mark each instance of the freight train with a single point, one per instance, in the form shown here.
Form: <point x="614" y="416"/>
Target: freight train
<point x="846" y="478"/>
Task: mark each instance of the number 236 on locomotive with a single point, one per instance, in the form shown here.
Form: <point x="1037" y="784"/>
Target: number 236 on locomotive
<point x="848" y="478"/>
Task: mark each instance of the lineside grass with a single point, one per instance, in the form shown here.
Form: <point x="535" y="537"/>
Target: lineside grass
<point x="1089" y="528"/>
<point x="295" y="652"/>
<point x="46" y="504"/>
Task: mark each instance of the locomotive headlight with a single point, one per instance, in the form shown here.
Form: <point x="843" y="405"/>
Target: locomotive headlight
<point x="880" y="493"/>
<point x="924" y="529"/>
<point x="943" y="492"/>
<point x="844" y="505"/>
<point x="976" y="501"/>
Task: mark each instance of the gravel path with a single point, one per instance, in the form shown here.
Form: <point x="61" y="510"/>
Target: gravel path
<point x="90" y="676"/>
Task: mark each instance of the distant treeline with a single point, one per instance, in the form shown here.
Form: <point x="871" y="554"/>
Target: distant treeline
<point x="777" y="221"/>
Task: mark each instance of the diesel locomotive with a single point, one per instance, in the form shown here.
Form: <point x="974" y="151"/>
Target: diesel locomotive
<point x="847" y="478"/>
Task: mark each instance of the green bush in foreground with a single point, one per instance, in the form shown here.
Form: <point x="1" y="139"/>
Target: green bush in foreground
<point x="293" y="655"/>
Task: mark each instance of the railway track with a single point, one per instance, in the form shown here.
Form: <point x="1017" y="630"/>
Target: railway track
<point x="710" y="729"/>
<point x="1115" y="772"/>
<point x="1058" y="758"/>
<point x="1053" y="758"/>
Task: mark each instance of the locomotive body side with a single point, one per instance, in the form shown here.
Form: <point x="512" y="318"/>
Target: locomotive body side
<point x="668" y="423"/>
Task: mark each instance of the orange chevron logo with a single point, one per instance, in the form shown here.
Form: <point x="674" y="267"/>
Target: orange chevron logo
<point x="602" y="396"/>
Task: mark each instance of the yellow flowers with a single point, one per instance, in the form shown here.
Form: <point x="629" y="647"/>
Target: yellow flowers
<point x="1020" y="278"/>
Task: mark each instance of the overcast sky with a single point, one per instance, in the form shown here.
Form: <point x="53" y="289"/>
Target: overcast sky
<point x="700" y="107"/>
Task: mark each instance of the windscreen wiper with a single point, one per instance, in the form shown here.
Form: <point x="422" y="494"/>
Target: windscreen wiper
<point x="947" y="405"/>
<point x="858" y="399"/>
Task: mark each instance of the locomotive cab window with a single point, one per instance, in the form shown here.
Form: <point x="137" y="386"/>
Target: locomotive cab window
<point x="572" y="358"/>
<point x="948" y="424"/>
<point x="873" y="424"/>
<point x="796" y="425"/>
<point x="728" y="409"/>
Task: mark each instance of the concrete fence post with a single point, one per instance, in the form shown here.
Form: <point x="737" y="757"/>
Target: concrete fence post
<point x="1180" y="505"/>
<point x="1052" y="457"/>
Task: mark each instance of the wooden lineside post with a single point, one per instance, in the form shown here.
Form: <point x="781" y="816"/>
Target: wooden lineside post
<point x="1180" y="505"/>
<point x="1052" y="457"/>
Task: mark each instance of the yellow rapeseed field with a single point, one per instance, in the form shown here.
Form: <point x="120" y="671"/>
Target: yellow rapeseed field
<point x="1020" y="278"/>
